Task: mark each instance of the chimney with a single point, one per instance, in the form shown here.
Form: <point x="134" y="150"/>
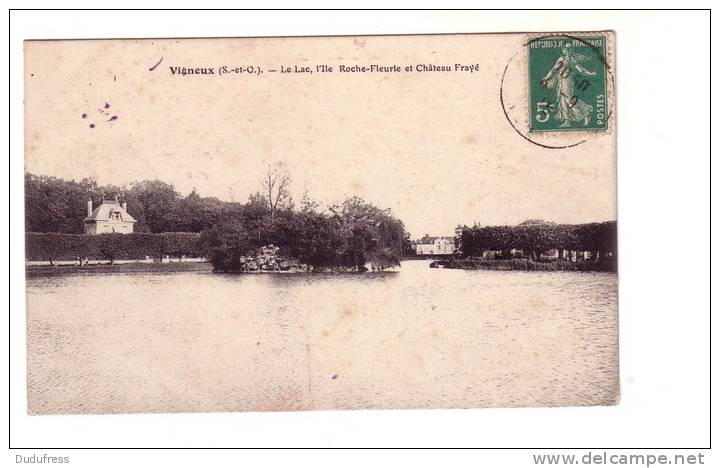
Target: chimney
<point x="89" y="207"/>
<point x="124" y="205"/>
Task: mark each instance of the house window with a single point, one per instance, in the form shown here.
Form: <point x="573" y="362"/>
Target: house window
<point x="116" y="216"/>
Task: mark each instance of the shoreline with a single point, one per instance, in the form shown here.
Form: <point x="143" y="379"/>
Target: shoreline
<point x="130" y="267"/>
<point x="117" y="268"/>
<point x="609" y="266"/>
<point x="453" y="264"/>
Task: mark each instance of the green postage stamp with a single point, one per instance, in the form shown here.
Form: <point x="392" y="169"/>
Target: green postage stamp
<point x="567" y="83"/>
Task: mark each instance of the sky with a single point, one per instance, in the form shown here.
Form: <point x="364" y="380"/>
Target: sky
<point x="435" y="148"/>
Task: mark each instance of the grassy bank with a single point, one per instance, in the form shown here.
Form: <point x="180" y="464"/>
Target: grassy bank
<point x="522" y="264"/>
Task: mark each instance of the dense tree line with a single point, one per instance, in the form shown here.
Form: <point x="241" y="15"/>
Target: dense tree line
<point x="59" y="206"/>
<point x="534" y="237"/>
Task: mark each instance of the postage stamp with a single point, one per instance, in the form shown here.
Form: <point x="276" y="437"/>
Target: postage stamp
<point x="567" y="83"/>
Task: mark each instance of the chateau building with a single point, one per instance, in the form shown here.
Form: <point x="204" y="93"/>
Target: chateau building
<point x="435" y="245"/>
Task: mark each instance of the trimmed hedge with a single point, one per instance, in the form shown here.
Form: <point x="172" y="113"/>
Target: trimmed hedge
<point x="534" y="239"/>
<point x="41" y="246"/>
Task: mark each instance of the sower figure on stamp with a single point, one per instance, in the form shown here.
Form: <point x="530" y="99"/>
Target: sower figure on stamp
<point x="562" y="77"/>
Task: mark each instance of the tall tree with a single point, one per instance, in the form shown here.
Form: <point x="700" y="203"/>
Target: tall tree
<point x="276" y="187"/>
<point x="157" y="200"/>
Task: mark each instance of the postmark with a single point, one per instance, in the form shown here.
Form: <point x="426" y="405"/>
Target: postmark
<point x="567" y="83"/>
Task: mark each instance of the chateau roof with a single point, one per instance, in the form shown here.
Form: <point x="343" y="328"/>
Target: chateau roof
<point x="431" y="239"/>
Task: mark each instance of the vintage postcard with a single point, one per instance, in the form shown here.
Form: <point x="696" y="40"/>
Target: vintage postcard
<point x="316" y="223"/>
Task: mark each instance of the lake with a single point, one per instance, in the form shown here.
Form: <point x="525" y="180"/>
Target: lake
<point x="413" y="338"/>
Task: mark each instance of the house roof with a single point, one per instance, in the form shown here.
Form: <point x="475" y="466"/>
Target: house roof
<point x="106" y="209"/>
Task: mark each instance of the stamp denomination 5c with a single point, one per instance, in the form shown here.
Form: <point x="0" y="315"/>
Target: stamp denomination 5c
<point x="567" y="83"/>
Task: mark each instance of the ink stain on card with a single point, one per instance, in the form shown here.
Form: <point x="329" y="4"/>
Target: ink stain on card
<point x="156" y="65"/>
<point x="102" y="113"/>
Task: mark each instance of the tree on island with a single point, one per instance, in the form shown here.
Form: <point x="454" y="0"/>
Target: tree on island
<point x="225" y="243"/>
<point x="276" y="185"/>
<point x="347" y="236"/>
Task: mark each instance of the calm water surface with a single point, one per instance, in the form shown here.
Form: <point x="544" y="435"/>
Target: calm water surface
<point x="414" y="338"/>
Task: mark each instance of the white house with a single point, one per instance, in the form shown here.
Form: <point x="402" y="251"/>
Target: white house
<point x="111" y="216"/>
<point x="435" y="245"/>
